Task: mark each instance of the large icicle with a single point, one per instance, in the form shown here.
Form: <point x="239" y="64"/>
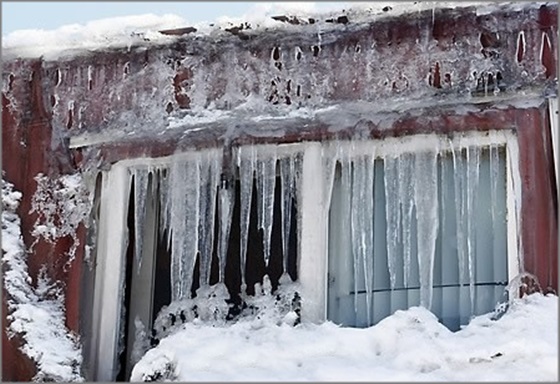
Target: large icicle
<point x="140" y="196"/>
<point x="246" y="162"/>
<point x="392" y="213"/>
<point x="287" y="175"/>
<point x="362" y="222"/>
<point x="425" y="191"/>
<point x="460" y="192"/>
<point x="473" y="164"/>
<point x="210" y="171"/>
<point x="405" y="164"/>
<point x="226" y="196"/>
<point x="329" y="156"/>
<point x="266" y="180"/>
<point x="164" y="203"/>
<point x="185" y="190"/>
<point x="367" y="215"/>
<point x="355" y="229"/>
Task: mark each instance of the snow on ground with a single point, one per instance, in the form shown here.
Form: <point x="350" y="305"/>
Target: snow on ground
<point x="410" y="345"/>
<point x="36" y="313"/>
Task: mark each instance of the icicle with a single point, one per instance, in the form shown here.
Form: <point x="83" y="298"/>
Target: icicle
<point x="266" y="170"/>
<point x="210" y="177"/>
<point x="287" y="171"/>
<point x="165" y="204"/>
<point x="392" y="212"/>
<point x="329" y="166"/>
<point x="425" y="191"/>
<point x="460" y="191"/>
<point x="367" y="216"/>
<point x="473" y="163"/>
<point x="140" y="195"/>
<point x="246" y="163"/>
<point x="494" y="178"/>
<point x="405" y="163"/>
<point x="185" y="189"/>
<point x="355" y="207"/>
<point x="226" y="196"/>
<point x="362" y="222"/>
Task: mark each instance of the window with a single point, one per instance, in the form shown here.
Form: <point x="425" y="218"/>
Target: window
<point x="203" y="218"/>
<point x="417" y="226"/>
<point x="363" y="216"/>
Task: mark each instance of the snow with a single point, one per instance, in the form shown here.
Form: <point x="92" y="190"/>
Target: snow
<point x="62" y="204"/>
<point x="128" y="31"/>
<point x="409" y="345"/>
<point x="35" y="313"/>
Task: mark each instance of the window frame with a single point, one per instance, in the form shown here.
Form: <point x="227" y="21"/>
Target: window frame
<point x="318" y="162"/>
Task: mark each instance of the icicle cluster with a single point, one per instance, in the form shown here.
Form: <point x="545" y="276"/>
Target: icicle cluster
<point x="414" y="207"/>
<point x="195" y="196"/>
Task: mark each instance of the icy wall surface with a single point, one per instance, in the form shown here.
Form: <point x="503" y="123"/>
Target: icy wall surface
<point x="226" y="83"/>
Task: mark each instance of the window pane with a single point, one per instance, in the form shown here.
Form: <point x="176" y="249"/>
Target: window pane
<point x="469" y="197"/>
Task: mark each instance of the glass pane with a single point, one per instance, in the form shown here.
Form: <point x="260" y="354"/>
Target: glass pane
<point x="470" y="264"/>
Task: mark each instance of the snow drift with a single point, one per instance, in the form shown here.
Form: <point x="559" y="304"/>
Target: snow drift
<point x="410" y="345"/>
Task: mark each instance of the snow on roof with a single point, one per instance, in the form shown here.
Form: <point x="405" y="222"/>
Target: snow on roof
<point x="119" y="32"/>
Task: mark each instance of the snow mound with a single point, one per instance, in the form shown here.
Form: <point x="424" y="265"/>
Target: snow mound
<point x="35" y="313"/>
<point x="410" y="345"/>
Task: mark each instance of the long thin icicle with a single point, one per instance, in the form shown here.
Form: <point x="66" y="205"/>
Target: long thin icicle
<point x="460" y="192"/>
<point x="392" y="213"/>
<point x="226" y="196"/>
<point x="367" y="215"/>
<point x="246" y="163"/>
<point x="473" y="164"/>
<point x="425" y="189"/>
<point x="211" y="168"/>
<point x="406" y="201"/>
<point x="287" y="171"/>
<point x="165" y="205"/>
<point x="266" y="169"/>
<point x="494" y="180"/>
<point x="185" y="181"/>
<point x="355" y="228"/>
<point x="140" y="196"/>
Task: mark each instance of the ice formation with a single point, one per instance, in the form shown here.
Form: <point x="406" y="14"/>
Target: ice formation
<point x="197" y="199"/>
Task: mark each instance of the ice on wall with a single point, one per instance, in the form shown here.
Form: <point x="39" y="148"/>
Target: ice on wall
<point x="36" y="313"/>
<point x="62" y="204"/>
<point x="139" y="95"/>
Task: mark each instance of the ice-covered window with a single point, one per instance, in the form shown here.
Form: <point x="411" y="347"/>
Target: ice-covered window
<point x="420" y="226"/>
<point x="205" y="217"/>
